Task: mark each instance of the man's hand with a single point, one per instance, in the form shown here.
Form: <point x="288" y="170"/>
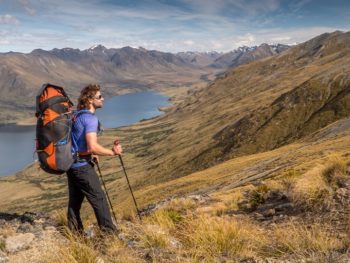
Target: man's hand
<point x="95" y="158"/>
<point x="117" y="148"/>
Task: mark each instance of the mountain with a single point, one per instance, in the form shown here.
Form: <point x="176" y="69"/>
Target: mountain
<point x="262" y="149"/>
<point x="199" y="58"/>
<point x="246" y="54"/>
<point x="118" y="70"/>
<point x="259" y="106"/>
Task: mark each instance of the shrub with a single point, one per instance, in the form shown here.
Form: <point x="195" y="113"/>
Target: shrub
<point x="258" y="196"/>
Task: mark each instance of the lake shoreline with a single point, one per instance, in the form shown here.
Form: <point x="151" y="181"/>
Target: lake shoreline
<point x="117" y="112"/>
<point x="31" y="121"/>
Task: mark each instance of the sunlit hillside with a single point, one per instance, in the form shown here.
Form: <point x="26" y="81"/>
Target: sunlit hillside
<point x="252" y="166"/>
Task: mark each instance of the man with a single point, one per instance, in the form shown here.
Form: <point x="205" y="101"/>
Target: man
<point x="82" y="177"/>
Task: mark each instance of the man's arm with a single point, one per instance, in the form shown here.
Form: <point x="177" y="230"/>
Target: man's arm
<point x="96" y="148"/>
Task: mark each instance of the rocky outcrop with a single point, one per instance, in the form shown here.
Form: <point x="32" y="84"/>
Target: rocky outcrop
<point x="19" y="233"/>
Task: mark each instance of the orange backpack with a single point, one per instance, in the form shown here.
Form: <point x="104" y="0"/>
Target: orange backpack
<point x="53" y="129"/>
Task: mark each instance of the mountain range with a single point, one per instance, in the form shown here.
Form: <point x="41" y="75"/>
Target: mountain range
<point x="265" y="146"/>
<point x="119" y="70"/>
<point x="259" y="106"/>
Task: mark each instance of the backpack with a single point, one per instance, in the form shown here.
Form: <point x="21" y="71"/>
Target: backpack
<point x="53" y="129"/>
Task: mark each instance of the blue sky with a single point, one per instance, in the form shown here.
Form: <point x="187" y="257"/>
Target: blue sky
<point x="173" y="26"/>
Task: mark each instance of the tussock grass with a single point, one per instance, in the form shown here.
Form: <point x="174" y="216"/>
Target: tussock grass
<point x="311" y="189"/>
<point x="128" y="214"/>
<point x="75" y="250"/>
<point x="152" y="236"/>
<point x="215" y="237"/>
<point x="7" y="230"/>
<point x="335" y="171"/>
<point x="304" y="242"/>
<point x="118" y="253"/>
<point x="2" y="245"/>
<point x="60" y="217"/>
<point x="166" y="218"/>
<point x="181" y="204"/>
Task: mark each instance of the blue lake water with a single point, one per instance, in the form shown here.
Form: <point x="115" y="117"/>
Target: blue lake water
<point x="17" y="144"/>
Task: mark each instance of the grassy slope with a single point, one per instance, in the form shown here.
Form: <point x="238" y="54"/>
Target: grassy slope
<point x="162" y="153"/>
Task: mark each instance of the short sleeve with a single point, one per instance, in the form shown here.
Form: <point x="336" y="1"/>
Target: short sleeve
<point x="90" y="123"/>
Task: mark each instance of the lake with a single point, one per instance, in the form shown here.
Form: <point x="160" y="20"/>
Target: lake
<point x="17" y="144"/>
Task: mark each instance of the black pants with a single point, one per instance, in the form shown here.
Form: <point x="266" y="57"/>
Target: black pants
<point x="84" y="182"/>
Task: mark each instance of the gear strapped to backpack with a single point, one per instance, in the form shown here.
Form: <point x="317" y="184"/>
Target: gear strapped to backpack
<point x="53" y="129"/>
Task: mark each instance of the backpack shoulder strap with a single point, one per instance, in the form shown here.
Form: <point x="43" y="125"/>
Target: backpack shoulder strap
<point x="81" y="112"/>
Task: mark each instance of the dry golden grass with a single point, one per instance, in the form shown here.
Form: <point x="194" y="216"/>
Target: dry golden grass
<point x="311" y="189"/>
<point x="216" y="237"/>
<point x="303" y="241"/>
<point x="335" y="171"/>
<point x="152" y="236"/>
<point x="78" y="249"/>
<point x="60" y="217"/>
<point x="166" y="218"/>
<point x="7" y="230"/>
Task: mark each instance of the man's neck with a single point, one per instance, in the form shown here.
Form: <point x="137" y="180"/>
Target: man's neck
<point x="92" y="109"/>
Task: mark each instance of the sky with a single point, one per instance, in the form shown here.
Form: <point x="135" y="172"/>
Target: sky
<point x="164" y="25"/>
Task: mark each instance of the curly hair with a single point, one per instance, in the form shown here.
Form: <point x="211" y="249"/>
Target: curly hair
<point x="87" y="93"/>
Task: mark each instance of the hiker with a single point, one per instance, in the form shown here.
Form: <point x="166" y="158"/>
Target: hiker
<point x="82" y="177"/>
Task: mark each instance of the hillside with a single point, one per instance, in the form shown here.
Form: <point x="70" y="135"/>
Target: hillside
<point x="259" y="106"/>
<point x="234" y="116"/>
<point x="117" y="70"/>
<point x="260" y="152"/>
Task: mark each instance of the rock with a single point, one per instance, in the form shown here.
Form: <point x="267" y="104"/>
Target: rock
<point x="25" y="228"/>
<point x="269" y="212"/>
<point x="175" y="243"/>
<point x="284" y="207"/>
<point x="3" y="257"/>
<point x="50" y="228"/>
<point x="39" y="221"/>
<point x="259" y="217"/>
<point x="18" y="242"/>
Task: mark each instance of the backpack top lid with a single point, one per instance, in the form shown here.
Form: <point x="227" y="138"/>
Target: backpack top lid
<point x="48" y="95"/>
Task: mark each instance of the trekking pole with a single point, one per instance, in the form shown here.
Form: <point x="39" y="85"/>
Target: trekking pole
<point x="104" y="186"/>
<point x="132" y="194"/>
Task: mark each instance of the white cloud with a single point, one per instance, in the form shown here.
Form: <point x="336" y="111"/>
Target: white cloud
<point x="26" y="5"/>
<point x="4" y="42"/>
<point x="199" y="25"/>
<point x="8" y="19"/>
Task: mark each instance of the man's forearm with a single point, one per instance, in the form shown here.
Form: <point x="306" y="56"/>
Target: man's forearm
<point x="100" y="150"/>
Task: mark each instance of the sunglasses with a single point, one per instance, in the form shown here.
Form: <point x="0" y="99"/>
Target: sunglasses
<point x="98" y="97"/>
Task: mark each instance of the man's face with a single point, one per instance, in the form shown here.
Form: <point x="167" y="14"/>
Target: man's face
<point x="97" y="101"/>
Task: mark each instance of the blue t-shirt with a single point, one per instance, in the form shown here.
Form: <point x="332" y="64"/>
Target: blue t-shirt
<point x="84" y="123"/>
